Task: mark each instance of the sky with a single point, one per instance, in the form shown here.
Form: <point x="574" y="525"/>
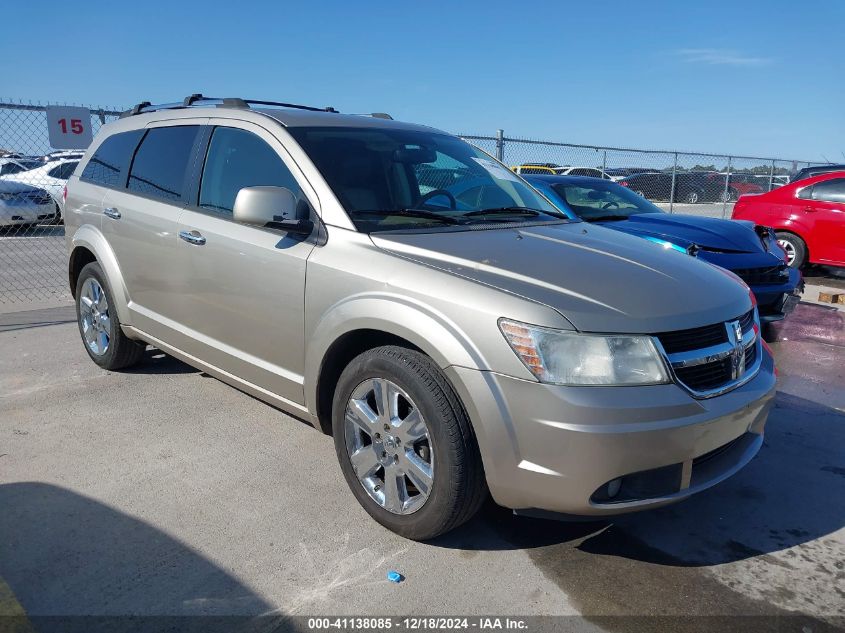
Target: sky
<point x="754" y="78"/>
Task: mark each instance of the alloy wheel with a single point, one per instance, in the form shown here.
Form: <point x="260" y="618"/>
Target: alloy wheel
<point x="389" y="446"/>
<point x="789" y="248"/>
<point x="94" y="315"/>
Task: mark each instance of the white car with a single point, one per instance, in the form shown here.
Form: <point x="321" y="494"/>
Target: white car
<point x="560" y="170"/>
<point x="9" y="165"/>
<point x="63" y="154"/>
<point x="51" y="177"/>
<point x="592" y="172"/>
<point x="22" y="204"/>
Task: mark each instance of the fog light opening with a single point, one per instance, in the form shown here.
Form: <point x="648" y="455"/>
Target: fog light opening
<point x="613" y="487"/>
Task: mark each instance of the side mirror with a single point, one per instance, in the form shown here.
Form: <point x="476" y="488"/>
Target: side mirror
<point x="273" y="207"/>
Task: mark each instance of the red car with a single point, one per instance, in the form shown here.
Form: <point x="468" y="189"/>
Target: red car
<point x="741" y="184"/>
<point x="808" y="216"/>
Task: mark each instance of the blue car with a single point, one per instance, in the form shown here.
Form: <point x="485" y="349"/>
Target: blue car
<point x="749" y="251"/>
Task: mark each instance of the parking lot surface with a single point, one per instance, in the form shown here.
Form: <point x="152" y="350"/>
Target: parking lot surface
<point x="160" y="490"/>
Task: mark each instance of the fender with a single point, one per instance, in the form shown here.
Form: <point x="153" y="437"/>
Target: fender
<point x="91" y="238"/>
<point x="431" y="331"/>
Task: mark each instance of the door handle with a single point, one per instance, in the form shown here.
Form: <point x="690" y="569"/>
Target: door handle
<point x="809" y="209"/>
<point x="192" y="237"/>
<point x="111" y="212"/>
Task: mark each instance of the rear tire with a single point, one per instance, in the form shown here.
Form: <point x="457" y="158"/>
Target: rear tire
<point x="415" y="389"/>
<point x="796" y="249"/>
<point x="692" y="197"/>
<point x="99" y="325"/>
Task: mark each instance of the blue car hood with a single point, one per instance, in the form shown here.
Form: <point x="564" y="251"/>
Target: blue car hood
<point x="684" y="230"/>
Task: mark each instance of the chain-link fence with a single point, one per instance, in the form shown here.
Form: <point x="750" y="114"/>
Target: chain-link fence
<point x="33" y="174"/>
<point x="33" y="259"/>
<point x="680" y="182"/>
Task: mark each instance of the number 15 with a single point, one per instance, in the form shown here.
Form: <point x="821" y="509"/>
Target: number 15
<point x="75" y="126"/>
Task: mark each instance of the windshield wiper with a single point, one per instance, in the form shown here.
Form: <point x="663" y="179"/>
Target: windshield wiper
<point x="413" y="213"/>
<point x="504" y="211"/>
<point x="606" y="218"/>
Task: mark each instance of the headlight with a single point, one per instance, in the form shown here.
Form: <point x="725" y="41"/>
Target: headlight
<point x="569" y="358"/>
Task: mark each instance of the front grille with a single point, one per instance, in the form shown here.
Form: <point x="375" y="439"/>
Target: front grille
<point x="695" y="338"/>
<point x="707" y="376"/>
<point x="747" y="320"/>
<point x="700" y="337"/>
<point x="762" y="276"/>
<point x="716" y="452"/>
<point x="713" y="375"/>
<point x="750" y="356"/>
<point x="711" y="341"/>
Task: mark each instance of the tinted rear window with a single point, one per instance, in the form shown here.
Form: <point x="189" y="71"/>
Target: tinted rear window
<point x="160" y="163"/>
<point x="112" y="156"/>
<point x="63" y="171"/>
<point x="830" y="190"/>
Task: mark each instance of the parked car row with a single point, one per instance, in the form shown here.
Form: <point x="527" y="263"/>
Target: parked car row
<point x="457" y="333"/>
<point x="30" y="181"/>
<point x="661" y="185"/>
<point x="22" y="205"/>
<point x="552" y="168"/>
<point x="751" y="252"/>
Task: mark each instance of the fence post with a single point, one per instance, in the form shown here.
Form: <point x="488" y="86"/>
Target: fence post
<point x="726" y="195"/>
<point x="672" y="190"/>
<point x="772" y="175"/>
<point x="604" y="163"/>
<point x="500" y="145"/>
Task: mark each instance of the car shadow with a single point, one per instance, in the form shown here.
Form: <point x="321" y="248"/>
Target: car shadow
<point x="72" y="563"/>
<point x="156" y="362"/>
<point x="41" y="317"/>
<point x="793" y="492"/>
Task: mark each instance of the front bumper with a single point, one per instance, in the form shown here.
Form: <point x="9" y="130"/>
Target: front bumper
<point x="554" y="448"/>
<point x="774" y="303"/>
<point x="15" y="214"/>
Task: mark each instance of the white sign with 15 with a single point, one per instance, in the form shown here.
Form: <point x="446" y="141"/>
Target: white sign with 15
<point x="69" y="127"/>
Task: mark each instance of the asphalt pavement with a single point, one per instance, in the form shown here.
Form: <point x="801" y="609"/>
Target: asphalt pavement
<point x="162" y="491"/>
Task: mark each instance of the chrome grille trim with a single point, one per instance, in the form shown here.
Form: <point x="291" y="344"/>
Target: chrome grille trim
<point x="751" y="347"/>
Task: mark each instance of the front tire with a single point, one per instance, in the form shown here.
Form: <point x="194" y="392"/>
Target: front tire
<point x="405" y="444"/>
<point x="796" y="249"/>
<point x="692" y="197"/>
<point x="99" y="324"/>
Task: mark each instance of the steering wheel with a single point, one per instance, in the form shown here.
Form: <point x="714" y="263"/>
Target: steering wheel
<point x="453" y="204"/>
<point x="609" y="205"/>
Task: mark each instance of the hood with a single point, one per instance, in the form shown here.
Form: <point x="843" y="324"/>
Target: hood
<point x="684" y="230"/>
<point x="600" y="280"/>
<point x="11" y="186"/>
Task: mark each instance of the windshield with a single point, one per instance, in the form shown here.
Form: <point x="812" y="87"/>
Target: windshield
<point x="394" y="179"/>
<point x="602" y="201"/>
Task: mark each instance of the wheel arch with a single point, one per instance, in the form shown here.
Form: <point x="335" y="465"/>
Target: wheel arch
<point x="351" y="329"/>
<point x="338" y="356"/>
<point x="792" y="231"/>
<point x="89" y="245"/>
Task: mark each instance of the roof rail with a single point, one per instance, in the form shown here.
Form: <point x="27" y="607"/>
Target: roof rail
<point x="198" y="99"/>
